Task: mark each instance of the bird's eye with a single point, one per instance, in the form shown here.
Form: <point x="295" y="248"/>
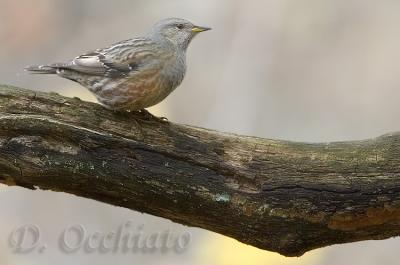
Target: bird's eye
<point x="179" y="26"/>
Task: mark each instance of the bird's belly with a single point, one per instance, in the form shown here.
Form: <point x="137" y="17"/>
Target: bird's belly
<point x="134" y="93"/>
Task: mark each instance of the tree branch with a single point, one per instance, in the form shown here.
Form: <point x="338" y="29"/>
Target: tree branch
<point x="282" y="196"/>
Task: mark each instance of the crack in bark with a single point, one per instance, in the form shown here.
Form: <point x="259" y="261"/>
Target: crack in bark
<point x="292" y="187"/>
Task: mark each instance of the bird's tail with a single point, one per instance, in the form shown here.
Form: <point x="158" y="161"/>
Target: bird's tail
<point x="41" y="69"/>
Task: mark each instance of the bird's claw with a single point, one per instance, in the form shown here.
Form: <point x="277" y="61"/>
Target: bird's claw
<point x="148" y="116"/>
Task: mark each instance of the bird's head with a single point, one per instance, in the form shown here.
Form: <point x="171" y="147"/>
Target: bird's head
<point x="179" y="31"/>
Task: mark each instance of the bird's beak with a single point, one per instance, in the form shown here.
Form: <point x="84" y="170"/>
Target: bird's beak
<point x="199" y="29"/>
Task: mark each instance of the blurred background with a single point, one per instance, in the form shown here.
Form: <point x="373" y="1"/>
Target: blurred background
<point x="306" y="70"/>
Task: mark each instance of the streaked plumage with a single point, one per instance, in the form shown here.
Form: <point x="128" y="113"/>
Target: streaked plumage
<point x="135" y="73"/>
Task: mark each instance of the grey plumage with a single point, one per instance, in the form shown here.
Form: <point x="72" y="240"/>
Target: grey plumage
<point x="135" y="73"/>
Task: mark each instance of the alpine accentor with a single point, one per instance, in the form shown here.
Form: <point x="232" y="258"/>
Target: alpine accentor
<point x="133" y="74"/>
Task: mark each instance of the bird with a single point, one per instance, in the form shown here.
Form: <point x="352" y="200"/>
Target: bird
<point x="132" y="74"/>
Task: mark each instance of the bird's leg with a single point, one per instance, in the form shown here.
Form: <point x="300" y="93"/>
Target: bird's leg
<point x="147" y="115"/>
<point x="122" y="113"/>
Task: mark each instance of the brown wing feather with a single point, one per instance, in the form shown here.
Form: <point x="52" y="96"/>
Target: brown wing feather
<point x="116" y="61"/>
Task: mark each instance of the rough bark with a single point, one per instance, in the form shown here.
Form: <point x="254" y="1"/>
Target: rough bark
<point x="282" y="196"/>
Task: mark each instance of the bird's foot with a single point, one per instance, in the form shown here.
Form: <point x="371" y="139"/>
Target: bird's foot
<point x="148" y="116"/>
<point x="121" y="113"/>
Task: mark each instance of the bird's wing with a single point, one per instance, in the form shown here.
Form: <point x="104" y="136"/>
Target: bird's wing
<point x="117" y="60"/>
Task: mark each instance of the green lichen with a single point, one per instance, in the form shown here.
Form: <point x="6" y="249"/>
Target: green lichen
<point x="222" y="197"/>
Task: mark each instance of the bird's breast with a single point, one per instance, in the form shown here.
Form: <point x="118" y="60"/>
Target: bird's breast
<point x="174" y="71"/>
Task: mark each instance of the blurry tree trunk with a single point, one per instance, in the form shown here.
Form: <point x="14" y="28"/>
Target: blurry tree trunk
<point x="281" y="196"/>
